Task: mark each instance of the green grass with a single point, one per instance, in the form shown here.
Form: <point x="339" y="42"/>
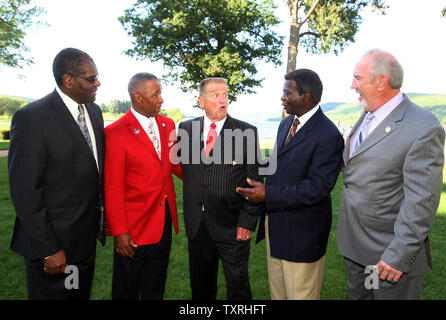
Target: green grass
<point x="13" y="282"/>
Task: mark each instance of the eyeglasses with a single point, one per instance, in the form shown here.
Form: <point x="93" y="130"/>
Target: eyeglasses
<point x="91" y="79"/>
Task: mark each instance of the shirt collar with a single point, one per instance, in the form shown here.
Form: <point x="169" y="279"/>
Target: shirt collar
<point x="305" y="117"/>
<point x="218" y="124"/>
<point x="69" y="103"/>
<point x="382" y="112"/>
<point x="143" y="120"/>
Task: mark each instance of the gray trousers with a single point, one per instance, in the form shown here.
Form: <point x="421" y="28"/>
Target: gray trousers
<point x="407" y="288"/>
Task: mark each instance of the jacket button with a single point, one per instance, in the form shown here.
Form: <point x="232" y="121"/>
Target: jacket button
<point x="162" y="204"/>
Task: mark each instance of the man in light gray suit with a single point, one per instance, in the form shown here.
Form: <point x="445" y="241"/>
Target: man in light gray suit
<point x="393" y="161"/>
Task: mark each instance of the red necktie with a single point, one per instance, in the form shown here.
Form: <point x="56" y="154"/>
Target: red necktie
<point x="212" y="136"/>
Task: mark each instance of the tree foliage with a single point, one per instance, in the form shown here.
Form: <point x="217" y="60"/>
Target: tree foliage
<point x="443" y="12"/>
<point x="205" y="38"/>
<point x="324" y="26"/>
<point x="9" y="105"/>
<point x="174" y="113"/>
<point x="119" y="106"/>
<point x="16" y="17"/>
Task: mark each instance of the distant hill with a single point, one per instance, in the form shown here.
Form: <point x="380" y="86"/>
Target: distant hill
<point x="28" y="100"/>
<point x="348" y="113"/>
<point x="330" y="106"/>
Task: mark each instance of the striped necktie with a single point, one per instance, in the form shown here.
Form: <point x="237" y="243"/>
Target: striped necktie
<point x="293" y="130"/>
<point x="364" y="130"/>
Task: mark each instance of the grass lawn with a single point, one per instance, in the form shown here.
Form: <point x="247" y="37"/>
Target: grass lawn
<point x="13" y="282"/>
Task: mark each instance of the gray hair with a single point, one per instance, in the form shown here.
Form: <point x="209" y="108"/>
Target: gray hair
<point x="138" y="80"/>
<point x="205" y="82"/>
<point x="383" y="63"/>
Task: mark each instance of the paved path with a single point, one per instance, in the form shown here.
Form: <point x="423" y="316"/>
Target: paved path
<point x="3" y="153"/>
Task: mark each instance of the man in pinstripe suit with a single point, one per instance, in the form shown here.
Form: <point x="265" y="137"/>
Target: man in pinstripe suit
<point x="219" y="222"/>
<point x="392" y="184"/>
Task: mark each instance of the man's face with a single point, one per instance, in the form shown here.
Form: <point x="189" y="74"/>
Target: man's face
<point x="366" y="89"/>
<point x="215" y="101"/>
<point x="148" y="99"/>
<point x="78" y="87"/>
<point x="292" y="101"/>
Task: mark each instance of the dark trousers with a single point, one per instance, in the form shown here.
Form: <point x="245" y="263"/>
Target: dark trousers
<point x="143" y="276"/>
<point x="203" y="267"/>
<point x="43" y="286"/>
<point x="407" y="288"/>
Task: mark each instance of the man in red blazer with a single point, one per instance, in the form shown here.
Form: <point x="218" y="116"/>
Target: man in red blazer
<point x="139" y="192"/>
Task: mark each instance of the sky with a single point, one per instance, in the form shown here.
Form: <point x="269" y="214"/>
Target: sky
<point x="411" y="31"/>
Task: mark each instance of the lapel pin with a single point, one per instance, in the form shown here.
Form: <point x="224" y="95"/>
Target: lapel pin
<point x="136" y="131"/>
<point x="388" y="129"/>
<point x="163" y="124"/>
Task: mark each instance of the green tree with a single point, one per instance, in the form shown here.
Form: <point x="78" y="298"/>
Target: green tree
<point x="324" y="26"/>
<point x="443" y="12"/>
<point x="119" y="106"/>
<point x="10" y="105"/>
<point x="205" y="38"/>
<point x="175" y="114"/>
<point x="103" y="107"/>
<point x="16" y="17"/>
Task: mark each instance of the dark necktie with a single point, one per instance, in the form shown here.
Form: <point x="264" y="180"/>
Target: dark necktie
<point x="81" y="122"/>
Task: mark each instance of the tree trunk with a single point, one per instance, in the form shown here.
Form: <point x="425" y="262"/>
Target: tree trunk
<point x="293" y="44"/>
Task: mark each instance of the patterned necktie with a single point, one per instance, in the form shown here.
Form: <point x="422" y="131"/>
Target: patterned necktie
<point x="212" y="136"/>
<point x="293" y="129"/>
<point x="154" y="138"/>
<point x="364" y="130"/>
<point x="81" y="122"/>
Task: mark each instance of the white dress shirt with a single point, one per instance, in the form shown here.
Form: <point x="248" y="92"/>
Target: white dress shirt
<point x="305" y="117"/>
<point x="207" y="124"/>
<point x="145" y="121"/>
<point x="74" y="110"/>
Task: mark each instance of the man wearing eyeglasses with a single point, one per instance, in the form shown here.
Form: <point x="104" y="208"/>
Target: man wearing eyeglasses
<point x="56" y="161"/>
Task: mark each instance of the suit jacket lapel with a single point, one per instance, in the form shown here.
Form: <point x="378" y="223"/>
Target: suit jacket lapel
<point x="70" y="126"/>
<point x="98" y="130"/>
<point x="384" y="129"/>
<point x="346" y="154"/>
<point x="283" y="133"/>
<point x="163" y="137"/>
<point x="139" y="133"/>
<point x="302" y="133"/>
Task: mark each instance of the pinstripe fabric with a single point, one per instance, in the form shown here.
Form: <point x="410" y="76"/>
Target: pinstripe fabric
<point x="213" y="210"/>
<point x="212" y="186"/>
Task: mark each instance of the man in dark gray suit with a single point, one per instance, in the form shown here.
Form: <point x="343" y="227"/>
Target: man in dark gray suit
<point x="218" y="153"/>
<point x="56" y="163"/>
<point x="392" y="184"/>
